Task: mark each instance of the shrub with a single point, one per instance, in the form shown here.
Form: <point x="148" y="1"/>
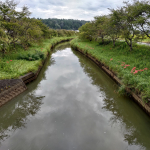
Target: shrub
<point x="31" y="56"/>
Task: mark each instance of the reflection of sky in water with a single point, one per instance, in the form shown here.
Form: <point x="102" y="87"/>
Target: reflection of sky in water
<point x="64" y="53"/>
<point x="79" y="111"/>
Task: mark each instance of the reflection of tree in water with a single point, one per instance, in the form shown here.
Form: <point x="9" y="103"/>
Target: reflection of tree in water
<point x="16" y="118"/>
<point x="62" y="46"/>
<point x="91" y="70"/>
<point x="50" y="60"/>
<point x="120" y="115"/>
<point x="18" y="114"/>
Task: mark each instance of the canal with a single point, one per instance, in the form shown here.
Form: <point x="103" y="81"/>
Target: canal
<point x="73" y="105"/>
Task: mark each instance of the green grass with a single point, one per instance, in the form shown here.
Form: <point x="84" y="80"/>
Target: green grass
<point x="116" y="57"/>
<point x="11" y="67"/>
<point x="146" y="40"/>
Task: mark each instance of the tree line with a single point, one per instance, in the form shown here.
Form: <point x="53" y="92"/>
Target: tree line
<point x="130" y="22"/>
<point x="68" y="24"/>
<point x="16" y="28"/>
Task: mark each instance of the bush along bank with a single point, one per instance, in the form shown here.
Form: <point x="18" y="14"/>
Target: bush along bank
<point x="130" y="67"/>
<point x="20" y="62"/>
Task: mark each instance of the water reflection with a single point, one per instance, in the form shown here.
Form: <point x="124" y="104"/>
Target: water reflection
<point x="61" y="47"/>
<point x="16" y="115"/>
<point x="125" y="113"/>
<point x="72" y="105"/>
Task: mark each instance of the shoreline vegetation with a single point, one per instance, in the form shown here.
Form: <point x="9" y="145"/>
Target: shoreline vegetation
<point x="113" y="40"/>
<point x="132" y="68"/>
<point x="24" y="42"/>
<point x="19" y="62"/>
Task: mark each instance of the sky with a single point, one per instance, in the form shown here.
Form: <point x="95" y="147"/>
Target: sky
<point x="69" y="9"/>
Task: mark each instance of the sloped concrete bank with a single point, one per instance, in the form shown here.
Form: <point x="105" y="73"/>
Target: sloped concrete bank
<point x="13" y="87"/>
<point x="112" y="74"/>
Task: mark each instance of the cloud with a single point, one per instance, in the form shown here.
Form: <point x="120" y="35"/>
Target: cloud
<point x="69" y="9"/>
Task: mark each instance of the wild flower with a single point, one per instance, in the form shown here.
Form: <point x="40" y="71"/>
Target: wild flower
<point x="133" y="69"/>
<point x="10" y="60"/>
<point x="7" y="62"/>
<point x="126" y="66"/>
<point x="136" y="71"/>
<point x="111" y="59"/>
<point x="140" y="70"/>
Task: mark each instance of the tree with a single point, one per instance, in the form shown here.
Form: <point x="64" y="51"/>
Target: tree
<point x="87" y="31"/>
<point x="3" y="40"/>
<point x="68" y="24"/>
<point x="112" y="28"/>
<point x="141" y="11"/>
<point x="11" y="19"/>
<point x="126" y="20"/>
<point x="100" y="24"/>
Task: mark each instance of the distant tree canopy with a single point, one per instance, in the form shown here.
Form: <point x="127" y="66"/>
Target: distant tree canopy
<point x="68" y="24"/>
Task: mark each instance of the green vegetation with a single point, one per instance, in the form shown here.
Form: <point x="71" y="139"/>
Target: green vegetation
<point x="17" y="29"/>
<point x="112" y="39"/>
<point x="130" y="23"/>
<point x="24" y="41"/>
<point x="122" y="61"/>
<point x="20" y="62"/>
<point x="145" y="40"/>
<point x="68" y="24"/>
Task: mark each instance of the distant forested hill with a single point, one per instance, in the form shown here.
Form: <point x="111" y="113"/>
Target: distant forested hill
<point x="68" y="24"/>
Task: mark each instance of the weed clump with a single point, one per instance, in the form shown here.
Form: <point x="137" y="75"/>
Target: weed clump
<point x="31" y="56"/>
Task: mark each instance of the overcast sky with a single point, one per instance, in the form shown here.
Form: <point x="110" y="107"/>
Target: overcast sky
<point x="69" y="9"/>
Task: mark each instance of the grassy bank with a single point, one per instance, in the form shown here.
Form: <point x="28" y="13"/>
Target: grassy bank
<point x="20" y="61"/>
<point x="123" y="62"/>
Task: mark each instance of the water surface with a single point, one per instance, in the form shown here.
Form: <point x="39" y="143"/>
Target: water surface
<point x="73" y="105"/>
